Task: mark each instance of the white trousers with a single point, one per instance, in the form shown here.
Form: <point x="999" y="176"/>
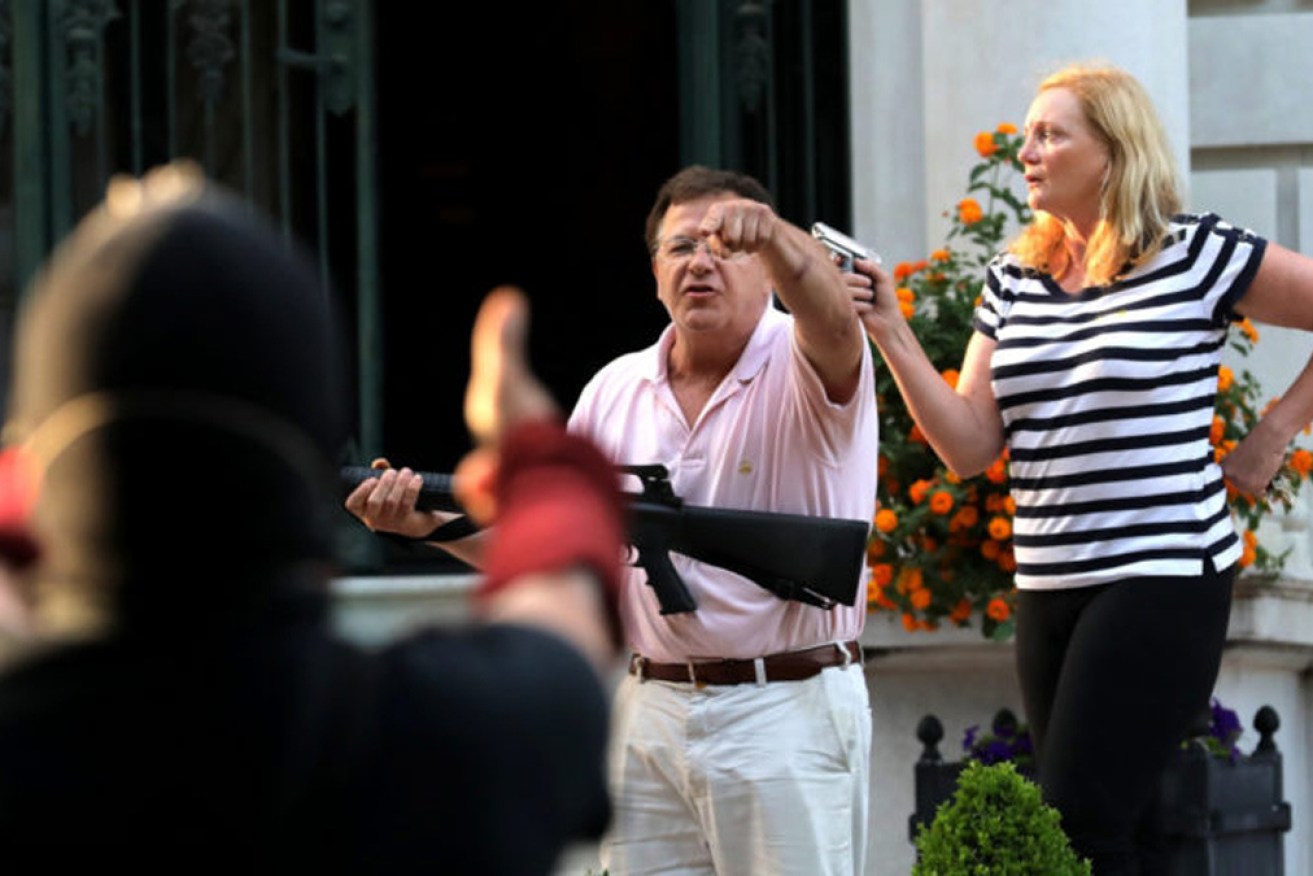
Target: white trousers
<point x="740" y="780"/>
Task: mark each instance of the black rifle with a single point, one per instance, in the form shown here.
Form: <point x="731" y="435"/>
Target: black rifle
<point x="815" y="560"/>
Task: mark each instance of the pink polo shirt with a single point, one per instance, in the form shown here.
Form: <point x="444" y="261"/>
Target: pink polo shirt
<point x="768" y="440"/>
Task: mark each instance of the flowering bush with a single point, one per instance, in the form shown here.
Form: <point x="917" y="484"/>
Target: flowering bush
<point x="941" y="546"/>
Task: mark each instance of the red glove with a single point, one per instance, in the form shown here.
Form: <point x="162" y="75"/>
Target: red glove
<point x="18" y="491"/>
<point x="558" y="505"/>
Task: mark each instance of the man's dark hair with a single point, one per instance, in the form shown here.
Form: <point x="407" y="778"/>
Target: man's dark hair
<point x="697" y="181"/>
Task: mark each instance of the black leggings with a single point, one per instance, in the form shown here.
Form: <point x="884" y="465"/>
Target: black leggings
<point x="1111" y="679"/>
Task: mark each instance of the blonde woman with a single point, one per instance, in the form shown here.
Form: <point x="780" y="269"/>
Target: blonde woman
<point x="1094" y="361"/>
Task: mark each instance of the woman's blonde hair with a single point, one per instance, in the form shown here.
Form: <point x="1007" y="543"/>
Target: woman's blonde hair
<point x="1141" y="192"/>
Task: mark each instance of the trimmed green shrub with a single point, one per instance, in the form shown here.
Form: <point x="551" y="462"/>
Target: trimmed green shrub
<point x="995" y="825"/>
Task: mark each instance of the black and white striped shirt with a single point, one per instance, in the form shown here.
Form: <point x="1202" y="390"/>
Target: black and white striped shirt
<point x="1107" y="398"/>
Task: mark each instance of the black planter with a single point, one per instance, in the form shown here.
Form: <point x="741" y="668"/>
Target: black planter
<point x="1212" y="816"/>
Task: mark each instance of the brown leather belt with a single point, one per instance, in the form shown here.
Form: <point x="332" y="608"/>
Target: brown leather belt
<point x="789" y="666"/>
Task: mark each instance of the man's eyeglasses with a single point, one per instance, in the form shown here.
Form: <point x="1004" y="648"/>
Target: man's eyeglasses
<point x="681" y="249"/>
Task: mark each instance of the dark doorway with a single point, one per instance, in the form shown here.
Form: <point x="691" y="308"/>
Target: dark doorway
<point x="518" y="143"/>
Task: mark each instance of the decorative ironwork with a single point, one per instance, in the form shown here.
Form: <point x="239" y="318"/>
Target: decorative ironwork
<point x="335" y="61"/>
<point x="752" y="53"/>
<point x="210" y="48"/>
<point x="339" y="72"/>
<point x="81" y="25"/>
<point x="6" y="78"/>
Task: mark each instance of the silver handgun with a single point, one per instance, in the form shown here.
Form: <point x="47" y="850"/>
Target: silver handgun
<point x="843" y="246"/>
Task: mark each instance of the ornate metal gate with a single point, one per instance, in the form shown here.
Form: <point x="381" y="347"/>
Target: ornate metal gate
<point x="272" y="98"/>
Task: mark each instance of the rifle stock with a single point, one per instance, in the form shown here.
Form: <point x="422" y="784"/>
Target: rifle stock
<point x="815" y="560"/>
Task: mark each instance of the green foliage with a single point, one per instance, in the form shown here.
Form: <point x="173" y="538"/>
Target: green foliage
<point x="995" y="825"/>
<point x="942" y="547"/>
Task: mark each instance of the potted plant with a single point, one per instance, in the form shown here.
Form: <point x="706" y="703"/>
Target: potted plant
<point x="995" y="824"/>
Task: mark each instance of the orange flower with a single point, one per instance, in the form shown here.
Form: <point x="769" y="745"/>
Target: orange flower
<point x="920" y="599"/>
<point x="875" y="549"/>
<point x="969" y="212"/>
<point x="997" y="472"/>
<point x="1247" y="328"/>
<point x="917" y="491"/>
<point x="1007" y="561"/>
<point x="1302" y="462"/>
<point x="885" y="520"/>
<point x="1217" y="431"/>
<point x="1250" y="538"/>
<point x="990" y="550"/>
<point x="950" y="376"/>
<point x="910" y="580"/>
<point x="1010" y="505"/>
<point x="882" y="466"/>
<point x="909" y="623"/>
<point x="941" y="255"/>
<point x="985" y="144"/>
<point x="915" y="435"/>
<point x="1006" y="128"/>
<point x="903" y="270"/>
<point x="920" y="265"/>
<point x="941" y="502"/>
<point x="905" y="294"/>
<point x="1000" y="528"/>
<point x="1247" y="557"/>
<point x="1225" y="377"/>
<point x="961" y="611"/>
<point x="967" y="516"/>
<point x="882" y="574"/>
<point x="907" y="309"/>
<point x="998" y="609"/>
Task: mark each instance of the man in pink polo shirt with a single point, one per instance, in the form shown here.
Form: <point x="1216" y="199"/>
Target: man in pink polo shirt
<point x="741" y="733"/>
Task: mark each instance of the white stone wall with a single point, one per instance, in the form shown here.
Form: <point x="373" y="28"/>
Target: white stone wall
<point x="1251" y="128"/>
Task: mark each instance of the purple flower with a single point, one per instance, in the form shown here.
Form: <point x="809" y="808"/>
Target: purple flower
<point x="969" y="739"/>
<point x="1011" y="743"/>
<point x="1225" y="728"/>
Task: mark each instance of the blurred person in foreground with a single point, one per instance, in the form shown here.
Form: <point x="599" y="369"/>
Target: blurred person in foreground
<point x="181" y="702"/>
<point x="1094" y="363"/>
